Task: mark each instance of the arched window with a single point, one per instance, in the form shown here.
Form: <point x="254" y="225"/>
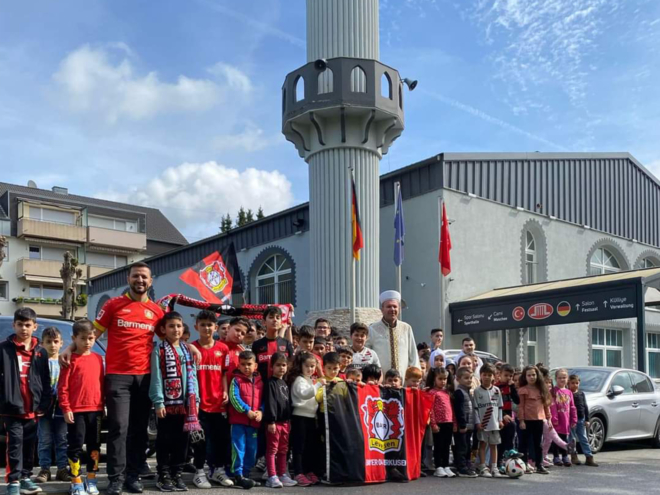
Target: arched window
<point x="386" y="86"/>
<point x="326" y="81"/>
<point x="602" y="262"/>
<point x="275" y="281"/>
<point x="648" y="263"/>
<point x="531" y="261"/>
<point x="299" y="89"/>
<point x="358" y="80"/>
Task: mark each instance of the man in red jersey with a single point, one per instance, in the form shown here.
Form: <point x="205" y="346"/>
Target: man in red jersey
<point x="130" y="320"/>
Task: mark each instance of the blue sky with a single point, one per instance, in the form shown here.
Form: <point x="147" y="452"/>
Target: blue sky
<point x="175" y="104"/>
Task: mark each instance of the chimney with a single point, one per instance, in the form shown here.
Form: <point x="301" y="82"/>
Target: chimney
<point x="60" y="190"/>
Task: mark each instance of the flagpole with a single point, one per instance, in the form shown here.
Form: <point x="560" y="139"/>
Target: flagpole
<point x="351" y="181"/>
<point x="397" y="188"/>
<point x="442" y="277"/>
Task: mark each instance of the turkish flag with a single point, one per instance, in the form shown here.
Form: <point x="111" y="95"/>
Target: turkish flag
<point x="445" y="244"/>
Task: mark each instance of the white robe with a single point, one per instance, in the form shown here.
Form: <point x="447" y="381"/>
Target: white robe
<point x="379" y="341"/>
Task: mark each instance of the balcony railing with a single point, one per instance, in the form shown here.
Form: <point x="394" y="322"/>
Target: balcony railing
<point x="49" y="230"/>
<point x="117" y="238"/>
<point x="280" y="293"/>
<point x="43" y="268"/>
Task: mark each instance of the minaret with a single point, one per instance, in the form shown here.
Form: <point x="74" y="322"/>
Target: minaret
<point x="343" y="110"/>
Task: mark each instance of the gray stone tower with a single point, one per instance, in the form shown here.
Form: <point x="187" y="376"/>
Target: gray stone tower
<point x="342" y="110"/>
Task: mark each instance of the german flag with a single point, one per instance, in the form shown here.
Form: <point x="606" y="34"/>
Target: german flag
<point x="358" y="241"/>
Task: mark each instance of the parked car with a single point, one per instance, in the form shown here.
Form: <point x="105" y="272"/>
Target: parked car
<point x="486" y="357"/>
<point x="624" y="404"/>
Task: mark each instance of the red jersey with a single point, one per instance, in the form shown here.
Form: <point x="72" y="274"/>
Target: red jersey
<point x="210" y="371"/>
<point x="130" y="325"/>
<point x="264" y="349"/>
<point x="80" y="388"/>
<point x="24" y="360"/>
<point x="231" y="363"/>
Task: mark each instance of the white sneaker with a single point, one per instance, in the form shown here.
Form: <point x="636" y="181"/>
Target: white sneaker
<point x="495" y="473"/>
<point x="219" y="476"/>
<point x="485" y="473"/>
<point x="274" y="482"/>
<point x="286" y="480"/>
<point x="440" y="473"/>
<point x="449" y="472"/>
<point x="200" y="480"/>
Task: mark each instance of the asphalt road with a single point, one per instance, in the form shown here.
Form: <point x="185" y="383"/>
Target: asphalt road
<point x="624" y="468"/>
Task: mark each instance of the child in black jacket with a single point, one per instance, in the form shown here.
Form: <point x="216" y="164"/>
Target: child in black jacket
<point x="25" y="394"/>
<point x="277" y="416"/>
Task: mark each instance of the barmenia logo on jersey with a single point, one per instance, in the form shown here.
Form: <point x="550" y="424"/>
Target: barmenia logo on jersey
<point x="384" y="422"/>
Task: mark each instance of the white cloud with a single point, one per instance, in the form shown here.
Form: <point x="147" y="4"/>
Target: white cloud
<point x="252" y="138"/>
<point x="195" y="196"/>
<point x="94" y="82"/>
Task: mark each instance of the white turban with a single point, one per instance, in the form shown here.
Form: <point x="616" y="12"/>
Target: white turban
<point x="389" y="295"/>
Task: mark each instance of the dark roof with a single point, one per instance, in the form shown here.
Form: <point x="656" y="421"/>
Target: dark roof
<point x="159" y="228"/>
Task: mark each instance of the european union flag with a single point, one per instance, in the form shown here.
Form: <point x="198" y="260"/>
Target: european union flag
<point x="399" y="230"/>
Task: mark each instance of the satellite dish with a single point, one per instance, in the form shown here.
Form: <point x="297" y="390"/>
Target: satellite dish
<point x="32" y="184"/>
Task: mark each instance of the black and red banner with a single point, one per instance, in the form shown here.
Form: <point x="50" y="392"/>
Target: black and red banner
<point x="375" y="433"/>
<point x="216" y="277"/>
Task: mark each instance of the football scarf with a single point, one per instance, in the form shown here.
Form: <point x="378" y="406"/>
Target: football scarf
<point x="177" y="400"/>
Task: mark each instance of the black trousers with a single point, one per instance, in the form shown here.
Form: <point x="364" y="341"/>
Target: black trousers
<point x="127" y="400"/>
<point x="86" y="428"/>
<point x="216" y="449"/>
<point x="305" y="444"/>
<point x="556" y="450"/>
<point x="21" y="442"/>
<point x="508" y="435"/>
<point x="534" y="434"/>
<point x="171" y="444"/>
<point x="463" y="444"/>
<point x="441" y="444"/>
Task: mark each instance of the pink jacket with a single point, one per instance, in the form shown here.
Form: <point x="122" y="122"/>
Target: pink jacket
<point x="442" y="410"/>
<point x="563" y="411"/>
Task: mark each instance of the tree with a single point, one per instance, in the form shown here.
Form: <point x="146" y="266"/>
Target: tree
<point x="260" y="213"/>
<point x="70" y="274"/>
<point x="241" y="219"/>
<point x="249" y="216"/>
<point x="226" y="224"/>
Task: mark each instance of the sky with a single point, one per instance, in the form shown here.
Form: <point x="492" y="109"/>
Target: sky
<point x="176" y="104"/>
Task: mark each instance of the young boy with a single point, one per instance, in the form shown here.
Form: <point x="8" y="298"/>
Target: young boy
<point x="464" y="413"/>
<point x="250" y="335"/>
<point x="306" y="344"/>
<point x="265" y="348"/>
<point x="333" y="383"/>
<point x="371" y="374"/>
<point x="25" y="394"/>
<point x="213" y="398"/>
<point x="413" y="377"/>
<point x="80" y="390"/>
<point x="238" y="328"/>
<point x="487" y="402"/>
<point x="341" y="341"/>
<point x="223" y="327"/>
<point x="345" y="360"/>
<point x="245" y="413"/>
<point x="579" y="431"/>
<point x="362" y="356"/>
<point x="354" y="374"/>
<point x="509" y="398"/>
<point x="52" y="427"/>
<point x="393" y="379"/>
<point x="186" y="333"/>
<point x="173" y="391"/>
<point x="320" y="345"/>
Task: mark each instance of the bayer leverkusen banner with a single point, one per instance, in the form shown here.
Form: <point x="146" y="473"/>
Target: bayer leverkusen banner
<point x="216" y="277"/>
<point x="375" y="430"/>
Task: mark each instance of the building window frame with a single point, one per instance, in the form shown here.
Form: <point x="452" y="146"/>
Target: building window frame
<point x="41" y="288"/>
<point x="114" y="220"/>
<point x="531" y="259"/>
<point x="653" y="353"/>
<point x="606" y="345"/>
<point x="532" y="345"/>
<point x="603" y="261"/>
<point x="5" y="284"/>
<point x="277" y="268"/>
<point x="40" y="217"/>
<point x="32" y="249"/>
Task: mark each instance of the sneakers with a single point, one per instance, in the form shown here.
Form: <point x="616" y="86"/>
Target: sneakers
<point x="313" y="478"/>
<point x="164" y="483"/>
<point x="449" y="472"/>
<point x="566" y="461"/>
<point x="43" y="476"/>
<point x="556" y="461"/>
<point x="542" y="470"/>
<point x="466" y="473"/>
<point x="440" y="473"/>
<point x="274" y="482"/>
<point x="261" y="464"/>
<point x="303" y="480"/>
<point x="219" y="476"/>
<point x="495" y="473"/>
<point x="63" y="475"/>
<point x="484" y="472"/>
<point x="77" y="489"/>
<point x="14" y="488"/>
<point x="200" y="480"/>
<point x="28" y="487"/>
<point x="133" y="484"/>
<point x="286" y="480"/>
<point x="114" y="487"/>
<point x="244" y="483"/>
<point x="91" y="485"/>
<point x="179" y="484"/>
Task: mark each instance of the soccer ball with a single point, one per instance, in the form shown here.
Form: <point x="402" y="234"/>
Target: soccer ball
<point x="515" y="468"/>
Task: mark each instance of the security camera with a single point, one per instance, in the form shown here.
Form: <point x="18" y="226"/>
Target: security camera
<point x="320" y="65"/>
<point x="410" y="83"/>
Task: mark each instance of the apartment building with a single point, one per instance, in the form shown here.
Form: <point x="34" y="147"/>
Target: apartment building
<point x="40" y="225"/>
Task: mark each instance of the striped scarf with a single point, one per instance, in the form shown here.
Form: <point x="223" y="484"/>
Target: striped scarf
<point x="177" y="400"/>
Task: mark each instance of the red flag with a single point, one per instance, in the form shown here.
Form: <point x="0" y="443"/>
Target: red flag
<point x="212" y="278"/>
<point x="445" y="244"/>
<point x="358" y="241"/>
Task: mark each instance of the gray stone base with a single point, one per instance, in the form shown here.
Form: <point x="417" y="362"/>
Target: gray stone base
<point x="341" y="317"/>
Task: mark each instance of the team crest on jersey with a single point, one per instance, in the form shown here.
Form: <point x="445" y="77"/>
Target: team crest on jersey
<point x="214" y="276"/>
<point x="384" y="422"/>
<point x="173" y="388"/>
<point x="148" y="314"/>
<point x="218" y="354"/>
<point x="282" y="348"/>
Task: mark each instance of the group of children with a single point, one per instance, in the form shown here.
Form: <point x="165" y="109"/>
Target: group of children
<point x="253" y="397"/>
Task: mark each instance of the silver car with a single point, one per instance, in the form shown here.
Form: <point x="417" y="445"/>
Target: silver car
<point x="623" y="404"/>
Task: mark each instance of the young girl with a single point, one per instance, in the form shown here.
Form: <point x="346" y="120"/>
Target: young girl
<point x="564" y="416"/>
<point x="533" y="411"/>
<point x="550" y="435"/>
<point x="443" y="422"/>
<point x="277" y="415"/>
<point x="306" y="442"/>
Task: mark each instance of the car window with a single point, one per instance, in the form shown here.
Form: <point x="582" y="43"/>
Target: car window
<point x="65" y="328"/>
<point x="641" y="384"/>
<point x="623" y="380"/>
<point x="591" y="380"/>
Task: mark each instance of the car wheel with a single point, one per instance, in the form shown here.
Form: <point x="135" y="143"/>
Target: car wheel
<point x="656" y="438"/>
<point x="596" y="434"/>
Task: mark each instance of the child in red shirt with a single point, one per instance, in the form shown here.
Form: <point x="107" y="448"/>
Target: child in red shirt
<point x="236" y="332"/>
<point x="80" y="391"/>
